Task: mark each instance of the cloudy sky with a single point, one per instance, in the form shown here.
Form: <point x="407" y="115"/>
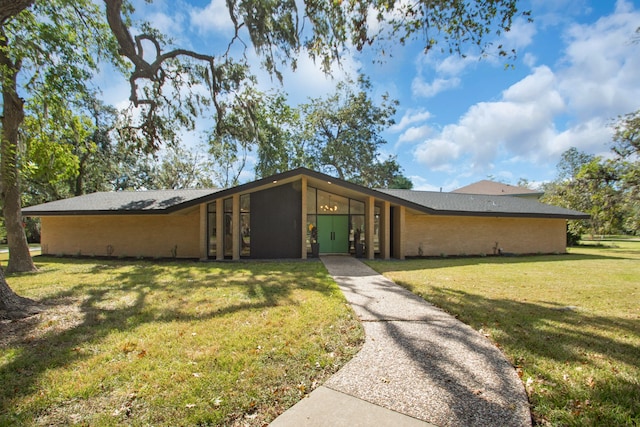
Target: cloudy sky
<point x="461" y="120"/>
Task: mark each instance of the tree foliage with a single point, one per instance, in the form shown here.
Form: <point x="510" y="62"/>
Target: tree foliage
<point x="50" y="49"/>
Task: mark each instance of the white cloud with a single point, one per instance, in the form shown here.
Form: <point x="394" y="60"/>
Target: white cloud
<point x="520" y="35"/>
<point x="547" y="112"/>
<point x="421" y="184"/>
<point x="424" y="89"/>
<point x="410" y="117"/>
<point x="414" y="133"/>
<point x="213" y="18"/>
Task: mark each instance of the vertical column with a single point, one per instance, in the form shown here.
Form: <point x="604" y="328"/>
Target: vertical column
<point x="219" y="229"/>
<point x="203" y="232"/>
<point x="235" y="224"/>
<point x="303" y="222"/>
<point x="399" y="230"/>
<point x="385" y="230"/>
<point x="369" y="218"/>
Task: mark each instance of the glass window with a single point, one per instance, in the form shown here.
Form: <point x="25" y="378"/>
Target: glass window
<point x="212" y="230"/>
<point x="356" y="207"/>
<point x="245" y="203"/>
<point x="356" y="231"/>
<point x="245" y="225"/>
<point x="332" y="204"/>
<point x="376" y="230"/>
<point x="228" y="227"/>
<point x="312" y="231"/>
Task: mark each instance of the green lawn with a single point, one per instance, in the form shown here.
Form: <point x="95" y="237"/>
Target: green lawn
<point x="570" y="323"/>
<point x="183" y="343"/>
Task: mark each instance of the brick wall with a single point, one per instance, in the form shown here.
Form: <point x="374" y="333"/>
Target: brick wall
<point x="129" y="235"/>
<point x="438" y="235"/>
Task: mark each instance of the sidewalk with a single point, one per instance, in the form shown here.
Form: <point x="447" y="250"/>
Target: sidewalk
<point x="418" y="365"/>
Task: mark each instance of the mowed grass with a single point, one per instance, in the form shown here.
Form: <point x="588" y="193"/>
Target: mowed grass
<point x="184" y="343"/>
<point x="569" y="323"/>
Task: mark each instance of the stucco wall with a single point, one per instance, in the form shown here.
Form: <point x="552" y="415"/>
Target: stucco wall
<point x="440" y="235"/>
<point x="129" y="235"/>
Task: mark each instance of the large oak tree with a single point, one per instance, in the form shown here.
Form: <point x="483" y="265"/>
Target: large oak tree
<point x="60" y="41"/>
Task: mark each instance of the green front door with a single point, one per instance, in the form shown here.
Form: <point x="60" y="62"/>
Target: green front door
<point x="333" y="234"/>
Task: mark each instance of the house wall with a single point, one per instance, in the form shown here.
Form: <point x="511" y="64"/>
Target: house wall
<point x="276" y="214"/>
<point x="449" y="235"/>
<point x="129" y="235"/>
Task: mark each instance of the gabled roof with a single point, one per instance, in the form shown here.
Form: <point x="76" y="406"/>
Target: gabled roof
<point x="168" y="201"/>
<point x="493" y="188"/>
<point x="124" y="202"/>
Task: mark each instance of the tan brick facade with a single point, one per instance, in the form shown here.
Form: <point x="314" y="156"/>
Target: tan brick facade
<point x="128" y="235"/>
<point x="460" y="235"/>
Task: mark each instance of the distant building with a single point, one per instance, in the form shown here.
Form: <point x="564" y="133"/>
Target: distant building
<point x="492" y="188"/>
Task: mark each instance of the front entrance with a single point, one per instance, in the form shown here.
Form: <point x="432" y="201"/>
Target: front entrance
<point x="333" y="234"/>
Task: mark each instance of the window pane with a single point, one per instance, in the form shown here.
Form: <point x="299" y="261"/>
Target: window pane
<point x="245" y="234"/>
<point x="228" y="205"/>
<point x="211" y="207"/>
<point x="212" y="232"/>
<point x="312" y="231"/>
<point x="245" y="203"/>
<point x="357" y="207"/>
<point x="376" y="230"/>
<point x="228" y="237"/>
<point x="332" y="204"/>
<point x="356" y="231"/>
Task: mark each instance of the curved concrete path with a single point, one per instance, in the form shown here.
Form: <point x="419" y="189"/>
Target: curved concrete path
<point x="418" y="365"/>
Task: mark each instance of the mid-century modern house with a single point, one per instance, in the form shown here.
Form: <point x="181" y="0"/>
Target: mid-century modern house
<point x="285" y="215"/>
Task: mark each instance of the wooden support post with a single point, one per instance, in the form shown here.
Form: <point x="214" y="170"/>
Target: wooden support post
<point x="385" y="230"/>
<point x="369" y="218"/>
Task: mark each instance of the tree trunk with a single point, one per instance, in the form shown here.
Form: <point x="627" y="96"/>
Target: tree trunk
<point x="19" y="255"/>
<point x="13" y="306"/>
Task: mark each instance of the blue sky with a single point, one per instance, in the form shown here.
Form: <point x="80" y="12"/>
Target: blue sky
<point x="461" y="120"/>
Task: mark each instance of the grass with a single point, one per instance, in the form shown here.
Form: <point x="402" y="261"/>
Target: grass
<point x="569" y="323"/>
<point x="143" y="343"/>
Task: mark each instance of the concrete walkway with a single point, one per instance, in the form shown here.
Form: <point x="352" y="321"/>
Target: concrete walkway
<point x="418" y="365"/>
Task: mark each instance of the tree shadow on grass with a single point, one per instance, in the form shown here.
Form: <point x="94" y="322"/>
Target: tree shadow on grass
<point x="575" y="341"/>
<point x="143" y="293"/>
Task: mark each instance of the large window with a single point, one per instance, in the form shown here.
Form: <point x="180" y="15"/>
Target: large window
<point x="212" y="230"/>
<point x="245" y="225"/>
<point x="228" y="227"/>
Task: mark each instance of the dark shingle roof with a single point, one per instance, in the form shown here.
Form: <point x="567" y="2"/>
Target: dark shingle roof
<point x="154" y="201"/>
<point x="481" y="205"/>
<point x="167" y="201"/>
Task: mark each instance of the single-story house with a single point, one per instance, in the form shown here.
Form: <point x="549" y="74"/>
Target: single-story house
<point x="284" y="215"/>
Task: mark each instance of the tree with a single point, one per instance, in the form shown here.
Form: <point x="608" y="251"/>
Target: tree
<point x="626" y="144"/>
<point x="182" y="168"/>
<point x="566" y="191"/>
<point x="47" y="53"/>
<point x="60" y="40"/>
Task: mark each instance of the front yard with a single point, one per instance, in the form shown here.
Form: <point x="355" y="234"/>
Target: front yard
<point x="183" y="343"/>
<point x="570" y="323"/>
<point x="142" y="343"/>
